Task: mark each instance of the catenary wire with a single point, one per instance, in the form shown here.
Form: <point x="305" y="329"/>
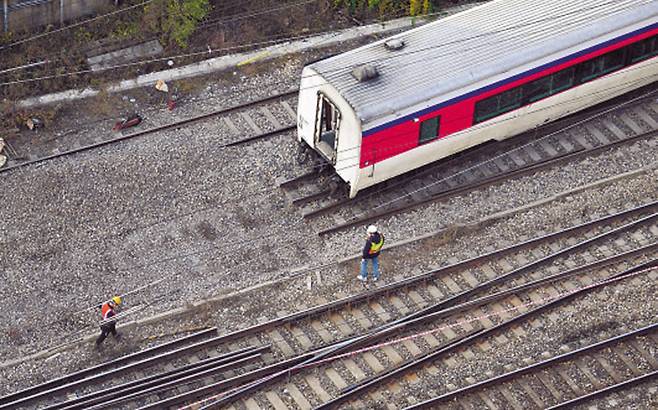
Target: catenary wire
<point x="459" y="323"/>
<point x="305" y="36"/>
<point x="115" y="12"/>
<point x="158" y="109"/>
<point x="272" y="191"/>
<point x="128" y="8"/>
<point x="445" y="55"/>
<point x="226" y="20"/>
<point x="250" y="240"/>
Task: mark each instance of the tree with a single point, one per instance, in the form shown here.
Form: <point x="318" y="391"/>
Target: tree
<point x="175" y="20"/>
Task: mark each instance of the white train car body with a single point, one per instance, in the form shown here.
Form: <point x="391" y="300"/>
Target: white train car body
<point x="485" y="74"/>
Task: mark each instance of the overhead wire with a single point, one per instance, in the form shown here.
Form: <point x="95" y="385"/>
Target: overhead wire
<point x="487" y="124"/>
<point x="235" y="246"/>
<point x="410" y="63"/>
<point x="128" y="8"/>
<point x="291" y="38"/>
<point x="228" y="19"/>
<point x="158" y="281"/>
<point x="247" y="15"/>
<point x="348" y="149"/>
<point x="59" y="30"/>
<point x="342" y="150"/>
<point x="356" y="157"/>
<point x="478" y="36"/>
<point x="201" y="52"/>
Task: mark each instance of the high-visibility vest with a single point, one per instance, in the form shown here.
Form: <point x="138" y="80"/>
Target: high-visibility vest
<point x="375" y="247"/>
<point x="106" y="310"/>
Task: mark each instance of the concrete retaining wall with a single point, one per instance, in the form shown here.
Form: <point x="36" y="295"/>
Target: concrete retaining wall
<point x="25" y="15"/>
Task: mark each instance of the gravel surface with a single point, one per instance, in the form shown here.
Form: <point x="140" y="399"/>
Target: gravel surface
<point x="641" y="397"/>
<point x="208" y="221"/>
<point x="252" y="307"/>
<point x="599" y="315"/>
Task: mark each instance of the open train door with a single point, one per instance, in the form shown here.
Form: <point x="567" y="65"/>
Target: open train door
<point x="326" y="128"/>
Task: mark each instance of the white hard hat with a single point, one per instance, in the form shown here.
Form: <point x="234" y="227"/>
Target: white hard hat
<point x="372" y="229"/>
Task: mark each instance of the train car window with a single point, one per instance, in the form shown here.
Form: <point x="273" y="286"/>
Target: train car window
<point x="644" y="49"/>
<point x="614" y="60"/>
<point x="510" y="100"/>
<point x="563" y="79"/>
<point x="486" y="109"/>
<point x="536" y="90"/>
<point x="591" y="69"/>
<point x="429" y="130"/>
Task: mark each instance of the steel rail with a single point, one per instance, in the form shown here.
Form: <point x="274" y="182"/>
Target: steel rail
<point x="422" y="314"/>
<point x="355" y="389"/>
<point x="151" y="130"/>
<point x="30" y="391"/>
<point x="615" y="387"/>
<point x="157" y="379"/>
<point x="406" y="178"/>
<point x="413" y="363"/>
<point x="460" y="157"/>
<point x="259" y="136"/>
<point x="531" y="265"/>
<point x="536" y="366"/>
<point x="228" y="383"/>
<point x="398" y="324"/>
<point x="485" y="182"/>
<point x="422" y="277"/>
<point x="622" y="257"/>
<point x="453" y="346"/>
<point x="365" y="296"/>
<point x="174" y="383"/>
<point x="311" y="197"/>
<point x="139" y="364"/>
<point x="294" y="180"/>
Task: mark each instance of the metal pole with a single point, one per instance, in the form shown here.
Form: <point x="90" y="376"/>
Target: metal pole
<point x="61" y="12"/>
<point x="5" y="14"/>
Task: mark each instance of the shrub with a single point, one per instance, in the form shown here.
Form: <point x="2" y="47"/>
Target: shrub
<point x="175" y="19"/>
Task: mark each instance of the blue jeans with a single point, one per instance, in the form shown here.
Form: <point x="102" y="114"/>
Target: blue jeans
<point x="375" y="268"/>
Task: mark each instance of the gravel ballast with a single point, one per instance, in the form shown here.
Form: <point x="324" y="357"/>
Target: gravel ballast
<point x="207" y="221"/>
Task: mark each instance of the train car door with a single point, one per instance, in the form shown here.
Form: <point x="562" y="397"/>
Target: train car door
<point x="327" y="123"/>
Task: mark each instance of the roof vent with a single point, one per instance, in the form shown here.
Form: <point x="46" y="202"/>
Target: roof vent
<point x="365" y="72"/>
<point x="394" y="44"/>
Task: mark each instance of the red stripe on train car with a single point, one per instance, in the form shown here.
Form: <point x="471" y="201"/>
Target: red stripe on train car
<point x="396" y="139"/>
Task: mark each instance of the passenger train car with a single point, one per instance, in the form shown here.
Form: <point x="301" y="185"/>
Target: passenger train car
<point x="488" y="73"/>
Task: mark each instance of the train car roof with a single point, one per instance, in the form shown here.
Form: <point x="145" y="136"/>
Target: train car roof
<point x="461" y="50"/>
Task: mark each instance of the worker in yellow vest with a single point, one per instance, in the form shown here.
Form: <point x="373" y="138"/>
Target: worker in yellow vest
<point x="371" y="250"/>
<point x="108" y="325"/>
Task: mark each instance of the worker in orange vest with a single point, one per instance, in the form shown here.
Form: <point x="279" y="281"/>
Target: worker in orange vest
<point x="108" y="310"/>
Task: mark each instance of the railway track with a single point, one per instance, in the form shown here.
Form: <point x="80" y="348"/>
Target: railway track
<point x="457" y="323"/>
<point x="624" y="348"/>
<point x="242" y="123"/>
<point x="628" y="123"/>
<point x="280" y="347"/>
